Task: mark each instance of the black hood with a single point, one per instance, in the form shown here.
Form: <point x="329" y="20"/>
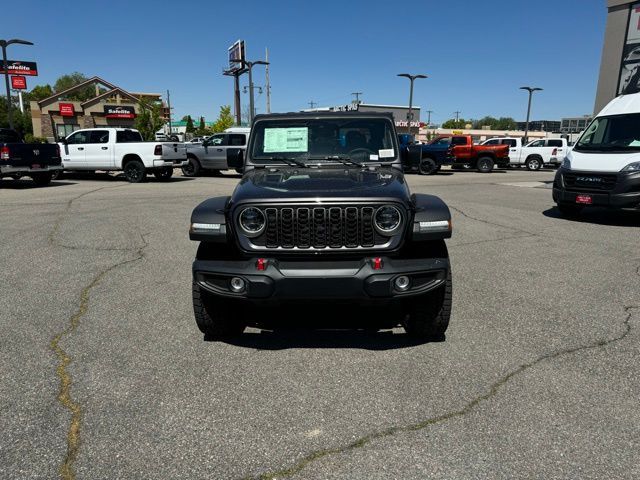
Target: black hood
<point x="322" y="184"/>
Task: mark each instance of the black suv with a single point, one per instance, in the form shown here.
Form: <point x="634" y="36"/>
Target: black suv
<point x="322" y="215"/>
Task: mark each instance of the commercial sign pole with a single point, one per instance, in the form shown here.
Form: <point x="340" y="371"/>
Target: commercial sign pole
<point x="5" y="65"/>
<point x="410" y="112"/>
<point x="526" y="125"/>
<point x="19" y="83"/>
<point x="236" y="57"/>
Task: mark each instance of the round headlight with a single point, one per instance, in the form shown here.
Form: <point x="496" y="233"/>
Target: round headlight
<point x="387" y="219"/>
<point x="252" y="221"/>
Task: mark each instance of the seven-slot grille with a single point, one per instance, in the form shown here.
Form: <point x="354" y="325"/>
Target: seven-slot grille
<point x="589" y="181"/>
<point x="319" y="227"/>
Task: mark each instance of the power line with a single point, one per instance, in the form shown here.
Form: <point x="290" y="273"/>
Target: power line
<point x="312" y="104"/>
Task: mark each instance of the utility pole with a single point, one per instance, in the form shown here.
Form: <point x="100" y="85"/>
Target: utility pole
<point x="357" y="95"/>
<point x="268" y="85"/>
<point x="4" y="44"/>
<point x="526" y="127"/>
<point x="169" y="107"/>
<point x="410" y="112"/>
<point x="312" y="104"/>
<point x="429" y="112"/>
<point x="457" y="113"/>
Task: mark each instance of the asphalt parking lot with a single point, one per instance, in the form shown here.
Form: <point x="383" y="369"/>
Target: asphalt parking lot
<point x="105" y="374"/>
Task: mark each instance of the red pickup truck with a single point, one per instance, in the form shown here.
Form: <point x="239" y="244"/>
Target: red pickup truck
<point x="480" y="157"/>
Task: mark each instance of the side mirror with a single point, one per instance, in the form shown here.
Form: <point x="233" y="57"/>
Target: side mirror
<point x="235" y="158"/>
<point x="63" y="140"/>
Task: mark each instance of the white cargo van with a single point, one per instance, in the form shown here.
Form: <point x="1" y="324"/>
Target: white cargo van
<point x="603" y="168"/>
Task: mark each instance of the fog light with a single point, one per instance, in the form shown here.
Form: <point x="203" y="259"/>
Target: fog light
<point x="237" y="285"/>
<point x="402" y="283"/>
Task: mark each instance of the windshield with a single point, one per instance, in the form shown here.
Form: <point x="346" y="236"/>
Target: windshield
<point x="313" y="140"/>
<point x="613" y="133"/>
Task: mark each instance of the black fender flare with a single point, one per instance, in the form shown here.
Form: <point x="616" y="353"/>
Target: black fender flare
<point x="429" y="208"/>
<point x="210" y="212"/>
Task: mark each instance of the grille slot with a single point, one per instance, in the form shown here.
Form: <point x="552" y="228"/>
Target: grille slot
<point x="331" y="227"/>
<point x="589" y="181"/>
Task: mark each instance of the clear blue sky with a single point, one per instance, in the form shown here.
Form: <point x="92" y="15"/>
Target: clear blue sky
<point x="476" y="54"/>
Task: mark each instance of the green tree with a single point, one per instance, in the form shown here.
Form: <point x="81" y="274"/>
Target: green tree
<point x="71" y="80"/>
<point x="225" y="119"/>
<point x="150" y="119"/>
<point x="451" y="123"/>
<point x="40" y="92"/>
<point x="190" y="127"/>
<point x="21" y="121"/>
<point x="506" y="123"/>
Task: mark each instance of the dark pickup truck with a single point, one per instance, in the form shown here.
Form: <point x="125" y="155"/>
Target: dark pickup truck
<point x="322" y="219"/>
<point x="36" y="160"/>
<point x="426" y="159"/>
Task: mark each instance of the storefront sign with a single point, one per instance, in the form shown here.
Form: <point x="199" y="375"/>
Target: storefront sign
<point x="350" y="107"/>
<point x="19" y="82"/>
<point x="403" y="123"/>
<point x="18" y="67"/>
<point x="119" y="111"/>
<point x="66" y="109"/>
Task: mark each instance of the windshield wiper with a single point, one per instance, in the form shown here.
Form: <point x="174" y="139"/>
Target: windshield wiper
<point x="340" y="158"/>
<point x="289" y="161"/>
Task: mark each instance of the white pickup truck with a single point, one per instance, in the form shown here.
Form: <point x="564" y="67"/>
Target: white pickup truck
<point x="121" y="149"/>
<point x="546" y="152"/>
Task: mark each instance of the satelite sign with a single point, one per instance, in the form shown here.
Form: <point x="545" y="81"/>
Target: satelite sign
<point x="118" y="111"/>
<point x="236" y="52"/>
<point x="19" y="82"/>
<point x="18" y="67"/>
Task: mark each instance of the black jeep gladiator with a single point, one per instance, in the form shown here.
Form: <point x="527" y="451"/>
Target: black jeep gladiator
<point x="322" y="215"/>
<point x="36" y="160"/>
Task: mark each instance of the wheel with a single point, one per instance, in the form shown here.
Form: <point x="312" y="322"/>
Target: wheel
<point x="57" y="175"/>
<point x="213" y="316"/>
<point x="240" y="170"/>
<point x="429" y="315"/>
<point x="427" y="166"/>
<point x="485" y="164"/>
<point x="135" y="172"/>
<point x="164" y="174"/>
<point x="192" y="168"/>
<point x="533" y="163"/>
<point x="41" y="179"/>
<point x="569" y="210"/>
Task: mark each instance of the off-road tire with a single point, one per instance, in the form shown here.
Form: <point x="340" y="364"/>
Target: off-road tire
<point x="192" y="168"/>
<point x="135" y="172"/>
<point x="533" y="163"/>
<point x="57" y="175"/>
<point x="429" y="314"/>
<point x="484" y="165"/>
<point x="41" y="179"/>
<point x="164" y="174"/>
<point x="213" y="316"/>
<point x="569" y="210"/>
<point x="427" y="166"/>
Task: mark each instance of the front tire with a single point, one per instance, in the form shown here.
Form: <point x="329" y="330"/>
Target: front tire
<point x="135" y="172"/>
<point x="213" y="316"/>
<point x="428" y="317"/>
<point x="192" y="168"/>
<point x="485" y="165"/>
<point x="163" y="174"/>
<point x="41" y="179"/>
<point x="427" y="166"/>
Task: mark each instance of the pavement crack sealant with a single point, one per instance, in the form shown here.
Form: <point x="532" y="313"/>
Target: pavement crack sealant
<point x="493" y="390"/>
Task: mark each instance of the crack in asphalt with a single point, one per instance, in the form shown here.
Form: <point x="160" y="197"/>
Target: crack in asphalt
<point x="487" y="222"/>
<point x="493" y="391"/>
<point x="66" y="469"/>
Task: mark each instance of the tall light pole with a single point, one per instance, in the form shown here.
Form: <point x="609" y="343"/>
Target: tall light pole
<point x="410" y="112"/>
<point x="526" y="125"/>
<point x="4" y="44"/>
<point x="249" y="67"/>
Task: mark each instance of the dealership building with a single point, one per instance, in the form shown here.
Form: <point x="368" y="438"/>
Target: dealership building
<point x="112" y="106"/>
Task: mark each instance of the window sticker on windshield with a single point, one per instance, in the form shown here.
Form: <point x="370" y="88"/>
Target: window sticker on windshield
<point x="386" y="153"/>
<point x="635" y="143"/>
<point x="373" y="157"/>
<point x="286" y="139"/>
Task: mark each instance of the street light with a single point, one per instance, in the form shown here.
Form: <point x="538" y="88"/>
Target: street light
<point x="249" y="66"/>
<point x="4" y="44"/>
<point x="410" y="113"/>
<point x="526" y="125"/>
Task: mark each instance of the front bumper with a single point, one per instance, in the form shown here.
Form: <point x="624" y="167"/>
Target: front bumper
<point x="354" y="280"/>
<point x="27" y="170"/>
<point x="625" y="194"/>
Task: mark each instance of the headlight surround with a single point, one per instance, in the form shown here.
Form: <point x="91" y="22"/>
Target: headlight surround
<point x="387" y="220"/>
<point x="566" y="164"/>
<point x="252" y="221"/>
<point x="631" y="168"/>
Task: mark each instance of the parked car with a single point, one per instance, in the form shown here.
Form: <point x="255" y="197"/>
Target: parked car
<point x="19" y="159"/>
<point x="322" y="215"/>
<point x="467" y="154"/>
<point x="426" y="159"/>
<point x="211" y="154"/>
<point x="546" y="152"/>
<point x="603" y="167"/>
<point x="121" y="149"/>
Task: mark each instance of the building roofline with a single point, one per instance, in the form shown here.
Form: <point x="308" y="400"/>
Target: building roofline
<point x="91" y="80"/>
<point x="110" y="92"/>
